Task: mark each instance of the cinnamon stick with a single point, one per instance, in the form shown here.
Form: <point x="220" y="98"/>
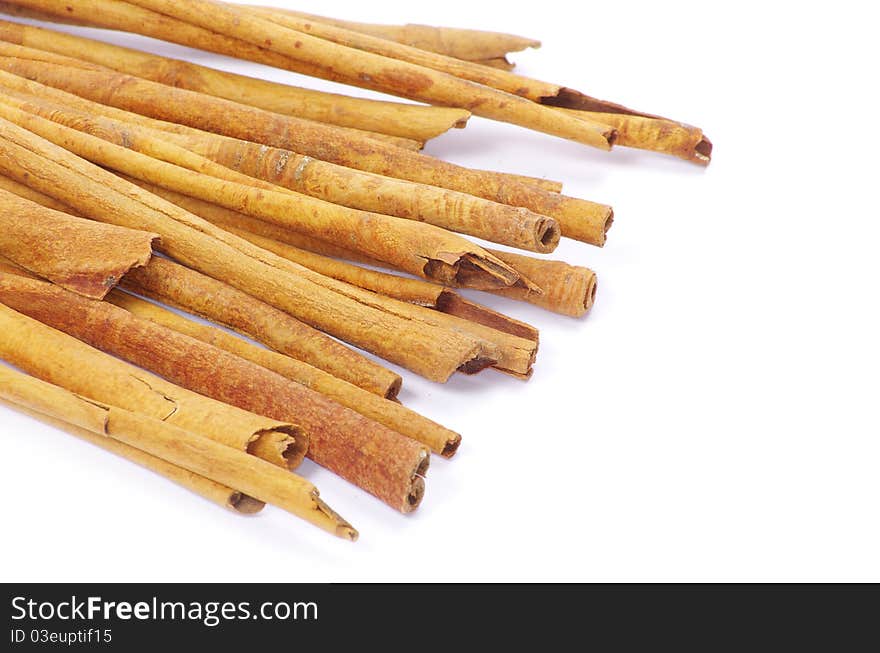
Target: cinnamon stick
<point x="468" y="44"/>
<point x="373" y="457"/>
<point x="63" y="360"/>
<point x="237" y="310"/>
<point x="434" y="352"/>
<point x="222" y="495"/>
<point x="389" y="413"/>
<point x="198" y="454"/>
<point x="413" y="122"/>
<point x="416" y="247"/>
<point x="81" y="255"/>
<point x="224" y="28"/>
<point x="577" y="218"/>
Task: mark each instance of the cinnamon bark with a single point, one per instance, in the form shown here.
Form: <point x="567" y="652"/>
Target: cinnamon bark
<point x="373" y="457"/>
<point x="63" y="360"/>
<point x="577" y="218"/>
<point x="182" y="448"/>
<point x="433" y="352"/>
<point x="81" y="255"/>
<point x="418" y="248"/>
<point x="415" y="122"/>
<point x="389" y="413"/>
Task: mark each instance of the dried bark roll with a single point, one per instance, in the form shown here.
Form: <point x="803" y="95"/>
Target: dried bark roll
<point x="577" y="218"/>
<point x="81" y="255"/>
<point x="435" y="353"/>
<point x="420" y="123"/>
<point x="193" y="452"/>
<point x="419" y="248"/>
<point x="373" y="457"/>
<point x="63" y="360"/>
<point x="389" y="413"/>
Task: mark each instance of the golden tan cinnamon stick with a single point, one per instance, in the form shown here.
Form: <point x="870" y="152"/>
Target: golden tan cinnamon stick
<point x="568" y="289"/>
<point x="642" y="134"/>
<point x="580" y="219"/>
<point x="419" y="123"/>
<point x="469" y="44"/>
<point x="80" y="255"/>
<point x="416" y="247"/>
<point x="390" y="413"/>
<point x="373" y="457"/>
<point x="195" y="453"/>
<point x="226" y="305"/>
<point x="224" y="29"/>
<point x="214" y="492"/>
<point x="514" y="226"/>
<point x="61" y="359"/>
<point x="434" y="352"/>
<point x="655" y="134"/>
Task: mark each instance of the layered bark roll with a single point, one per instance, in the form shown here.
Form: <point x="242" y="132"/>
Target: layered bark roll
<point x="222" y="495"/>
<point x="577" y="218"/>
<point x="81" y="255"/>
<point x="418" y="248"/>
<point x="435" y="353"/>
<point x="223" y="304"/>
<point x="389" y="413"/>
<point x="225" y="29"/>
<point x="219" y="302"/>
<point x="567" y="289"/>
<point x="195" y="453"/>
<point x="570" y="290"/>
<point x="63" y="360"/>
<point x="645" y="134"/>
<point x="373" y="457"/>
<point x="514" y="226"/>
<point x="469" y="44"/>
<point x="416" y="122"/>
<point x="656" y="134"/>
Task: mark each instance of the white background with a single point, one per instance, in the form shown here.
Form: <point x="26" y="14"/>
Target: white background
<point x="715" y="416"/>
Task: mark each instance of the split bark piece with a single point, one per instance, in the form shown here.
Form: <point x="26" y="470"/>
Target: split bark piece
<point x="514" y="226"/>
<point x="389" y="413"/>
<point x="469" y="44"/>
<point x="373" y="457"/>
<point x="224" y="29"/>
<point x="81" y="255"/>
<point x="655" y="134"/>
<point x="505" y="344"/>
<point x="182" y="448"/>
<point x="419" y="248"/>
<point x="567" y="289"/>
<point x="433" y="352"/>
<point x="535" y="90"/>
<point x="415" y="122"/>
<point x="63" y="360"/>
<point x="580" y="219"/>
<point x="217" y="493"/>
<point x="223" y="304"/>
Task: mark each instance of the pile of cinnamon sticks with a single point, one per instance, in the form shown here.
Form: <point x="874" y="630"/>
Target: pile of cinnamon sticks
<point x="130" y="183"/>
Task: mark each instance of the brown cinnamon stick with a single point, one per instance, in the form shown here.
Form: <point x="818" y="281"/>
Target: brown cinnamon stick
<point x="63" y="360"/>
<point x="193" y="452"/>
<point x="389" y="413"/>
<point x="222" y="495"/>
<point x="373" y="457"/>
<point x="415" y="122"/>
<point x="81" y="255"/>
<point x="416" y="247"/>
<point x="433" y="352"/>
<point x="577" y="218"/>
